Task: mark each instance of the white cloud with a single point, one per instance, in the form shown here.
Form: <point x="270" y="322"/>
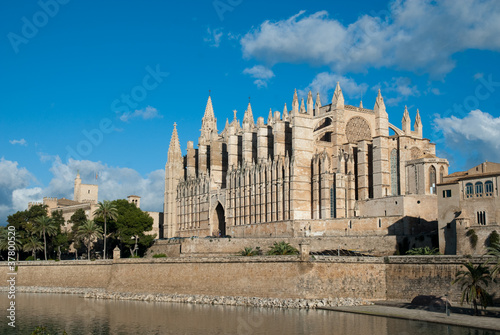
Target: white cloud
<point x="415" y="35"/>
<point x="325" y="83"/>
<point x="145" y="113"/>
<point x="214" y="37"/>
<point x="22" y="141"/>
<point x="114" y="183"/>
<point x="477" y="135"/>
<point x="402" y="87"/>
<point x="14" y="182"/>
<point x="261" y="73"/>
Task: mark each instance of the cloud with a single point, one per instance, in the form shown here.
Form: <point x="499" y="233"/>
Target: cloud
<point x="114" y="183"/>
<point x="22" y="141"/>
<point x="402" y="87"/>
<point x="325" y="83"/>
<point x="412" y="35"/>
<point x="14" y="182"/>
<point x="261" y="73"/>
<point x="476" y="135"/>
<point x="145" y="113"/>
<point x="213" y="37"/>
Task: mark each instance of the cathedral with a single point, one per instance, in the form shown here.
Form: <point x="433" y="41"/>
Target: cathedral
<point x="313" y="170"/>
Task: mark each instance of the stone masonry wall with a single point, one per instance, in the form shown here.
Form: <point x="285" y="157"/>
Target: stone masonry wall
<point x="395" y="277"/>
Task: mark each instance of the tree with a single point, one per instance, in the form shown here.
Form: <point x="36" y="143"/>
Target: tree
<point x="77" y="219"/>
<point x="23" y="221"/>
<point x="473" y="283"/>
<point x="45" y="226"/>
<point x="89" y="232"/>
<point x="4" y="241"/>
<point x="131" y="222"/>
<point x="106" y="210"/>
<point x="494" y="251"/>
<point x="32" y="245"/>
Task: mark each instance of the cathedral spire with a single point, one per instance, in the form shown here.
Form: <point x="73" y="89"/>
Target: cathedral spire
<point x="209" y="110"/>
<point x="248" y="117"/>
<point x="406" y="122"/>
<point x="174" y="150"/>
<point x="295" y="103"/>
<point x="208" y="124"/>
<point x="338" y="97"/>
<point x="310" y="103"/>
<point x="379" y="104"/>
<point x="285" y="113"/>
<point x="418" y="125"/>
<point x="302" y="107"/>
<point x="317" y="106"/>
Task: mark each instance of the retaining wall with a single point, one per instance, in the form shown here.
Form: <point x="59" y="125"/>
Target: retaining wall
<point x="400" y="278"/>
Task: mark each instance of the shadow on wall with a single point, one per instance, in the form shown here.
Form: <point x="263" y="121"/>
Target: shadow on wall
<point x="414" y="232"/>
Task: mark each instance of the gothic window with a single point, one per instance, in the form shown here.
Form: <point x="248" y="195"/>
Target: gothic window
<point x="332" y="202"/>
<point x="488" y="188"/>
<point x="394" y="172"/>
<point x="432" y="180"/>
<point x="358" y="129"/>
<point x="441" y="174"/>
<point x="479" y="189"/>
<point x="481" y="218"/>
<point x="469" y="190"/>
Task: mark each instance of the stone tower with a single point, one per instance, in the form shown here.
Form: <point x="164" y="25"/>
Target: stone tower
<point x="174" y="171"/>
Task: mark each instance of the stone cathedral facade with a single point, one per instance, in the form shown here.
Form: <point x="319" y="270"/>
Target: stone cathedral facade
<point x="312" y="170"/>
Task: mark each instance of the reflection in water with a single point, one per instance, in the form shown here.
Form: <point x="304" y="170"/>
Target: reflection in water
<point x="76" y="315"/>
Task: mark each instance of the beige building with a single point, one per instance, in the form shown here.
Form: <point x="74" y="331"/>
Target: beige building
<point x="468" y="201"/>
<point x="313" y="170"/>
<point x="157" y="217"/>
<point x="84" y="197"/>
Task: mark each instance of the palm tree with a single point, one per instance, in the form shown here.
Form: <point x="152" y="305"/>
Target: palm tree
<point x="89" y="232"/>
<point x="4" y="241"/>
<point x="473" y="284"/>
<point x="106" y="210"/>
<point x="494" y="251"/>
<point x="45" y="226"/>
<point x="33" y="245"/>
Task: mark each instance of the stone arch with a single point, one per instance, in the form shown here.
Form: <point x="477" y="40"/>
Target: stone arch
<point x="218" y="221"/>
<point x="357" y="129"/>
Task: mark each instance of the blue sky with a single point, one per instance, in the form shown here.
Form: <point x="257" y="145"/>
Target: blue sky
<point x="96" y="87"/>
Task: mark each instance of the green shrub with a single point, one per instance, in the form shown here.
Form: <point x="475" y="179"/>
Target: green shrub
<point x="133" y="256"/>
<point x="159" y="256"/>
<point x="423" y="251"/>
<point x="282" y="248"/>
<point x="30" y="258"/>
<point x="493" y="239"/>
<point x="471" y="233"/>
<point x="249" y="251"/>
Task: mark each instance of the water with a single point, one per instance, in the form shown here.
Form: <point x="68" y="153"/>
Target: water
<point x="76" y="315"/>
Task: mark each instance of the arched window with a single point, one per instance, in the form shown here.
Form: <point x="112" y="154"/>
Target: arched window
<point x="432" y="180"/>
<point x="481" y="218"/>
<point x="394" y="173"/>
<point x="488" y="188"/>
<point x="479" y="189"/>
<point x="441" y="174"/>
<point x="333" y="208"/>
<point x="469" y="190"/>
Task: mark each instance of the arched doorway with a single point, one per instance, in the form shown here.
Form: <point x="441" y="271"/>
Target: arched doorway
<point x="219" y="221"/>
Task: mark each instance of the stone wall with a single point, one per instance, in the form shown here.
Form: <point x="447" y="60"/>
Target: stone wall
<point x="395" y="277"/>
<point x="409" y="276"/>
<point x="375" y="245"/>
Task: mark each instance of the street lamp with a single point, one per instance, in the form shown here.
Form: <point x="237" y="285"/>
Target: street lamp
<point x="136" y="238"/>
